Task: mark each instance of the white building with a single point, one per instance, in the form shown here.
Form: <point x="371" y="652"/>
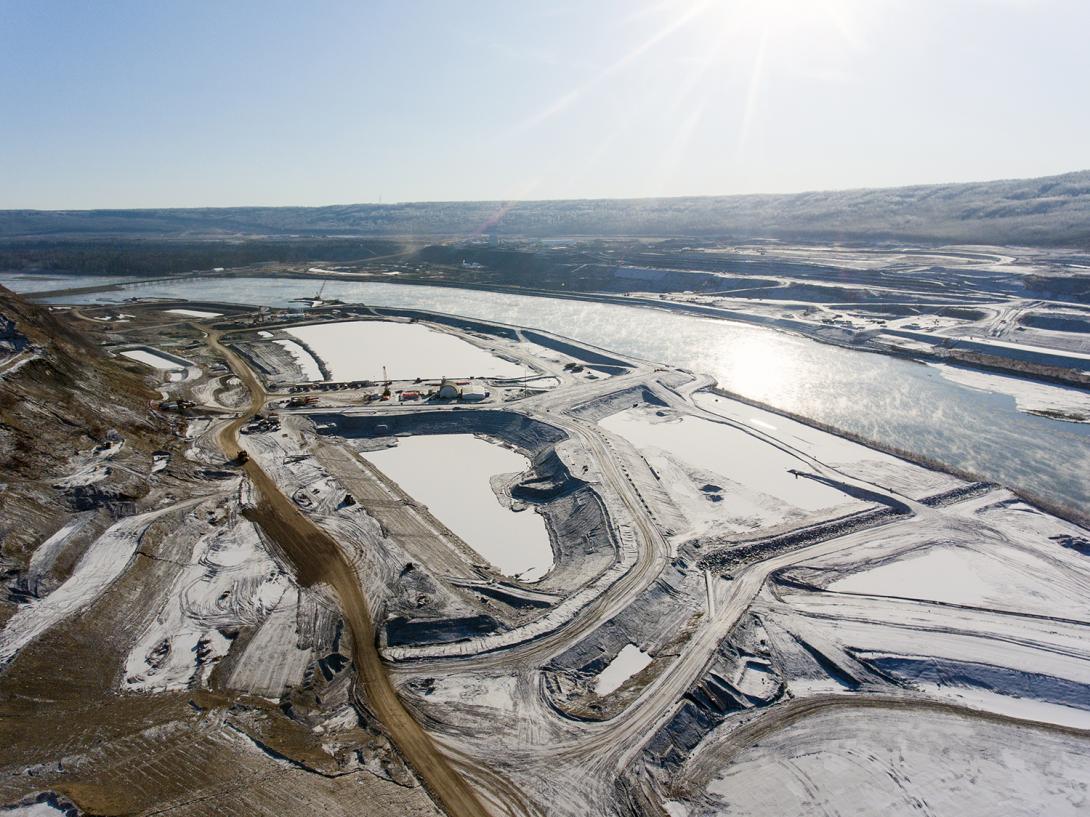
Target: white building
<point x="475" y="393"/>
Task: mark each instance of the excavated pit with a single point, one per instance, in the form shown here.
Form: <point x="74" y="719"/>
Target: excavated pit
<point x="574" y="516"/>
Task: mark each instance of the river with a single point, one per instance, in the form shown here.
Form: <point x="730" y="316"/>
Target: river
<point x="894" y="401"/>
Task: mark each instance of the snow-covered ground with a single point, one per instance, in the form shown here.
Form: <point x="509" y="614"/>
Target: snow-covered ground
<point x="100" y="565"/>
<point x="33" y="810"/>
<point x="358" y="350"/>
<point x="43" y="558"/>
<point x="451" y="474"/>
<point x="229" y="580"/>
<point x="983" y="603"/>
<point x="722" y="477"/>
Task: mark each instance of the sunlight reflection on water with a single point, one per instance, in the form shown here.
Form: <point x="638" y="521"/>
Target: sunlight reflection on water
<point x="894" y="401"/>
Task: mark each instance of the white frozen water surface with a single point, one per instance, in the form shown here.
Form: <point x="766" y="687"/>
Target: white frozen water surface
<point x="305" y="359"/>
<point x="25" y="282"/>
<point x="851" y="457"/>
<point x="630" y="660"/>
<point x="450" y="474"/>
<point x="1028" y="394"/>
<point x="195" y="313"/>
<point x="1001" y="578"/>
<point x="151" y="359"/>
<point x="357" y="350"/>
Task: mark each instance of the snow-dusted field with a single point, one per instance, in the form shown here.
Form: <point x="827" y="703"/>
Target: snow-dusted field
<point x="1029" y="395"/>
<point x="357" y="350"/>
<point x="890" y="762"/>
<point x="451" y="475"/>
<point x="229" y="581"/>
<point x="722" y="476"/>
<point x="101" y="564"/>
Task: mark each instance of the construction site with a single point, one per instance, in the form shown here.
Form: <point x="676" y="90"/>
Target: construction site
<point x="352" y="559"/>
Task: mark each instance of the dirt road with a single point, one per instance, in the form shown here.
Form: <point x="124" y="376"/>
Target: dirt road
<point x="317" y="558"/>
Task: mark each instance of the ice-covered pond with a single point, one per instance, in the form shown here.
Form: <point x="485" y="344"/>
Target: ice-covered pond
<point x="358" y="350"/>
<point x="150" y="358"/>
<point x="450" y="474"/>
<point x="194" y="313"/>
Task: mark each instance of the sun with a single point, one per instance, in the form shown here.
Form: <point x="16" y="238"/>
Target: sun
<point x="786" y="20"/>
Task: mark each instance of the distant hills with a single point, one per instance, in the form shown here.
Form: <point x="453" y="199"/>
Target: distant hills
<point x="1046" y="211"/>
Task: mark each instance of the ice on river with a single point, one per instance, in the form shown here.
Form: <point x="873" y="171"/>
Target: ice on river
<point x="149" y="358"/>
<point x="1029" y="395"/>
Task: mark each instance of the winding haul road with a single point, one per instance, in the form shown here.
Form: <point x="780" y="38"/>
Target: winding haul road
<point x="318" y="559"/>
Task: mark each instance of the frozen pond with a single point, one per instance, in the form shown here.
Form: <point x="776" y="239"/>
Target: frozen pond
<point x="887" y="399"/>
<point x="357" y="350"/>
<point x="304" y="358"/>
<point x="149" y="358"/>
<point x="194" y="313"/>
<point x="450" y="474"/>
<point x="1029" y="395"/>
<point x="627" y="663"/>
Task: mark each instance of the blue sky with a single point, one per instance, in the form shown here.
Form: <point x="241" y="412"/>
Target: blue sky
<point x="148" y="104"/>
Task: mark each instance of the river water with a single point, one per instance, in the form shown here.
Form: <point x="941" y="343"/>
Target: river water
<point x="891" y="400"/>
